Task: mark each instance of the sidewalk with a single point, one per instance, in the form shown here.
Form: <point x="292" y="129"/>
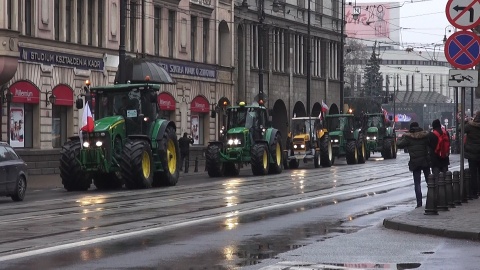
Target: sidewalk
<point x="461" y="222"/>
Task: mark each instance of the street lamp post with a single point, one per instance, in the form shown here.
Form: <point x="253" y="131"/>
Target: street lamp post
<point x="309" y="68"/>
<point x="342" y="44"/>
<point x="121" y="47"/>
<point x="261" y="18"/>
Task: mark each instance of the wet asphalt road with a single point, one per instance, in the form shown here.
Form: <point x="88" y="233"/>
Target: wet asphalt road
<point x="202" y="223"/>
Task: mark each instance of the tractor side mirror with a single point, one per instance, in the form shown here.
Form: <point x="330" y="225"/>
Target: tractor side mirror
<point x="153" y="97"/>
<point x="79" y="103"/>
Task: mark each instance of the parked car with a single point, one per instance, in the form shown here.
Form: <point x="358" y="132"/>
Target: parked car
<point x="13" y="173"/>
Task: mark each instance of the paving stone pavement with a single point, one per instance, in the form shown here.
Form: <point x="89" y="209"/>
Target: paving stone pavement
<point x="461" y="222"/>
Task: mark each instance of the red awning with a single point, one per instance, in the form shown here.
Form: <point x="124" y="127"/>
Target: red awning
<point x="166" y="102"/>
<point x="200" y="104"/>
<point x="24" y="92"/>
<point x="63" y="94"/>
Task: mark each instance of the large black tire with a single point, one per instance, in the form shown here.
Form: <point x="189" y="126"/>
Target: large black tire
<point x="73" y="178"/>
<point x="137" y="164"/>
<point x="169" y="153"/>
<point x="387" y="151"/>
<point x="316" y="159"/>
<point x="326" y="151"/>
<point x="231" y="169"/>
<point x="285" y="160"/>
<point x="394" y="146"/>
<point x="108" y="181"/>
<point x="276" y="151"/>
<point x="20" y="189"/>
<point x="213" y="162"/>
<point x="362" y="151"/>
<point x="293" y="164"/>
<point x="351" y="152"/>
<point x="259" y="159"/>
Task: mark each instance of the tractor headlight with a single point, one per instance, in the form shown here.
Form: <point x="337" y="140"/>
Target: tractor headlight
<point x="368" y="138"/>
<point x="374" y="137"/>
<point x="295" y="146"/>
<point x="99" y="143"/>
<point x="86" y="144"/>
<point x="335" y="141"/>
<point x="236" y="142"/>
<point x="302" y="146"/>
<point x="230" y="142"/>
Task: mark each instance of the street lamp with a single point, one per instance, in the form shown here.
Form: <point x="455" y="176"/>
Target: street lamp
<point x="342" y="44"/>
<point x="450" y="29"/>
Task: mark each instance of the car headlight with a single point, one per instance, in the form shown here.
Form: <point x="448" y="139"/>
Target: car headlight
<point x="99" y="143"/>
<point x="86" y="144"/>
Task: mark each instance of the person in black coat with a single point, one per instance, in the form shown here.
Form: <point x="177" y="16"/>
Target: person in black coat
<point x="416" y="141"/>
<point x="472" y="152"/>
<point x="437" y="163"/>
<point x="184" y="145"/>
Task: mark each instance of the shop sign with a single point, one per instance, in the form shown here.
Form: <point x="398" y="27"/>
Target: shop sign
<point x="24" y="92"/>
<point x="60" y="59"/>
<point x="200" y="105"/>
<point x="166" y="102"/>
<point x="190" y="70"/>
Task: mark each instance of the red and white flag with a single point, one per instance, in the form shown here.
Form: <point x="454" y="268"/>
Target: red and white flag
<point x="87" y="119"/>
<point x="324" y="107"/>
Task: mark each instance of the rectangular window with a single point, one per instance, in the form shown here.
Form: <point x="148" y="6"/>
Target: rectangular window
<point x="90" y="22"/>
<point x="10" y="14"/>
<point x="68" y="21"/>
<point x="156" y="29"/>
<point x="100" y="23"/>
<point x="28" y="17"/>
<point x="133" y="29"/>
<point x="56" y="18"/>
<point x="206" y="30"/>
<point x="79" y="21"/>
<point x="171" y="32"/>
<point x="193" y="36"/>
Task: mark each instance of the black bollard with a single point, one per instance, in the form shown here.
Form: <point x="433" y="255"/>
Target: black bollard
<point x="449" y="189"/>
<point x="466" y="189"/>
<point x="430" y="207"/>
<point x="441" y="198"/>
<point x="456" y="188"/>
<point x="196" y="165"/>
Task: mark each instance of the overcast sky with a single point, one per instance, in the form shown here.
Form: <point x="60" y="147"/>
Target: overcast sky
<point x="423" y="22"/>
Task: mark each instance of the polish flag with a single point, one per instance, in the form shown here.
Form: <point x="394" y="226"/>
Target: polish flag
<point x="87" y="119"/>
<point x="324" y="107"/>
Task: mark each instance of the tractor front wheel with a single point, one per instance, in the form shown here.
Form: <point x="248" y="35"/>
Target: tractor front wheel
<point x="277" y="154"/>
<point x="73" y="178"/>
<point x="351" y="152"/>
<point x="259" y="159"/>
<point x="326" y="151"/>
<point x="387" y="151"/>
<point x="213" y="163"/>
<point x="137" y="164"/>
<point x="362" y="153"/>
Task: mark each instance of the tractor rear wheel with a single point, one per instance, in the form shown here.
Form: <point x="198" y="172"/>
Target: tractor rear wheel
<point x="387" y="151"/>
<point x="326" y="152"/>
<point x="73" y="178"/>
<point x="394" y="148"/>
<point x="351" y="152"/>
<point x="259" y="159"/>
<point x="137" y="164"/>
<point x="169" y="153"/>
<point x="212" y="159"/>
<point x="277" y="155"/>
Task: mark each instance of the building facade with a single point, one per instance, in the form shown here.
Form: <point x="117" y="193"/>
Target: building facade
<point x="58" y="44"/>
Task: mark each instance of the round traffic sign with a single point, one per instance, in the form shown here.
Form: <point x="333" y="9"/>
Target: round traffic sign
<point x="463" y="14"/>
<point x="462" y="49"/>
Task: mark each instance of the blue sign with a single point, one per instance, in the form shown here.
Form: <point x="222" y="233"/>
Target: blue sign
<point x="189" y="69"/>
<point x="462" y="49"/>
<point x="60" y="59"/>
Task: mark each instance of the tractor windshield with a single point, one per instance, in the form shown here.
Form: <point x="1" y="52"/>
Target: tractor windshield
<point x="302" y="126"/>
<point x="340" y="123"/>
<point x="245" y="117"/>
<point x="375" y="121"/>
<point x="134" y="105"/>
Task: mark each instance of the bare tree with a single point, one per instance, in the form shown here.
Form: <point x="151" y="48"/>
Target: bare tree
<point x="355" y="59"/>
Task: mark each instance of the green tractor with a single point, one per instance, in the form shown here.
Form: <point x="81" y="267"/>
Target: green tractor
<point x="300" y="147"/>
<point x="381" y="135"/>
<point x="347" y="141"/>
<point x="129" y="145"/>
<point x="248" y="138"/>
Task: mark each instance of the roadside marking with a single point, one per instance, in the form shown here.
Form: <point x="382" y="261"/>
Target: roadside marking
<point x="192" y="222"/>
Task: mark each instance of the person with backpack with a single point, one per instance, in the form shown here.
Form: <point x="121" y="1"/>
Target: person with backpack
<point x="416" y="141"/>
<point x="472" y="152"/>
<point x="439" y="149"/>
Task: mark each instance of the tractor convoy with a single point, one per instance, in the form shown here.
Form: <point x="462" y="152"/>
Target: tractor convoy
<point x="129" y="144"/>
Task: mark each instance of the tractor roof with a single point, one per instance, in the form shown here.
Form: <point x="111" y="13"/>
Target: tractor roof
<point x="305" y="118"/>
<point x="126" y="86"/>
<point x="339" y="115"/>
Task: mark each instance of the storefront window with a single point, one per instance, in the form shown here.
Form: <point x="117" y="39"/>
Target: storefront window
<point x="59" y="126"/>
<point x="196" y="128"/>
<point x="21" y="125"/>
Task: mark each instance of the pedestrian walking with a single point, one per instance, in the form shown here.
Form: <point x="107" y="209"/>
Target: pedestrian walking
<point x="472" y="152"/>
<point x="184" y="144"/>
<point x="439" y="141"/>
<point x="416" y="141"/>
